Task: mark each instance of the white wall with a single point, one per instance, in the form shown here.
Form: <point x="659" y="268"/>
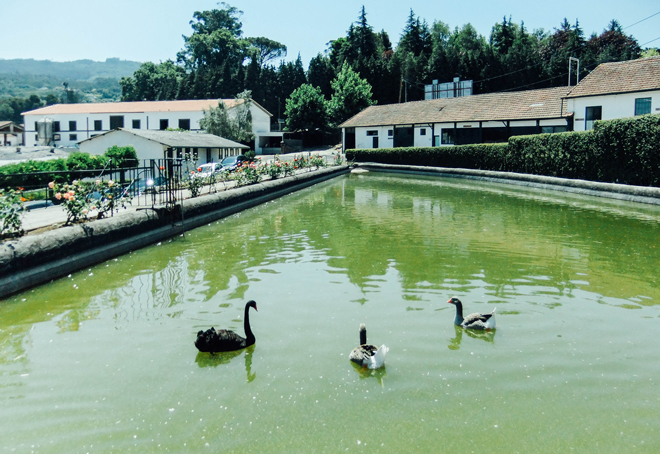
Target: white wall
<point x="613" y="106"/>
<point x="362" y="140"/>
<point x="148" y="120"/>
<point x="146" y="149"/>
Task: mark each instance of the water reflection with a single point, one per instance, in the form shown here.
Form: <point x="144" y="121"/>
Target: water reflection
<point x="215" y="359"/>
<point x="455" y="342"/>
<point x="365" y="372"/>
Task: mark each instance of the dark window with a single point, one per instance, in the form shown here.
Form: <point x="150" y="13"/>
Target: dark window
<point x="73" y="136"/>
<point x="56" y="126"/>
<point x="209" y="158"/>
<point x="390" y="132"/>
<point x="72" y="126"/>
<point x="184" y="123"/>
<point x="422" y="132"/>
<point x="553" y="129"/>
<point x="164" y="124"/>
<point x="36" y="126"/>
<point x="178" y="150"/>
<point x="642" y="106"/>
<point x="136" y="124"/>
<point x="592" y="114"/>
<point x="448" y="137"/>
<point x="403" y="136"/>
<point x="195" y="154"/>
<point x="116" y="121"/>
<point x="98" y="125"/>
<point x="372" y="133"/>
<point x="375" y="142"/>
<point x="36" y="137"/>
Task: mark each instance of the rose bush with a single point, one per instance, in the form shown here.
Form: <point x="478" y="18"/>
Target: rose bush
<point x="80" y="198"/>
<point x="11" y="212"/>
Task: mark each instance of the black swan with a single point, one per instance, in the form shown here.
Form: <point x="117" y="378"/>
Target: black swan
<point x="472" y="321"/>
<point x="367" y="355"/>
<point x="224" y="340"/>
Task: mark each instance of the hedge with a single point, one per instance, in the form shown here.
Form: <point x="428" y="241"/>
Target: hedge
<point x="615" y="151"/>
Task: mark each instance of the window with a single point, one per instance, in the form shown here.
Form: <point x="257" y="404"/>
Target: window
<point x="98" y="125"/>
<point x="642" y="106"/>
<point x="36" y="126"/>
<point x="372" y="133"/>
<point x="56" y="137"/>
<point x="592" y="114"/>
<point x="375" y="142"/>
<point x="73" y="136"/>
<point x="448" y="137"/>
<point x="164" y="124"/>
<point x="116" y="121"/>
<point x="136" y="124"/>
<point x="36" y="137"/>
<point x="390" y="132"/>
<point x="209" y="157"/>
<point x="184" y="123"/>
<point x="553" y="129"/>
<point x="72" y="126"/>
<point x="422" y="132"/>
<point x="56" y="126"/>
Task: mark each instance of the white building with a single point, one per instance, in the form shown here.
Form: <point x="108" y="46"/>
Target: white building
<point x="612" y="90"/>
<point x="165" y="144"/>
<point x="486" y="118"/>
<point x="616" y="90"/>
<point x="11" y="134"/>
<point x="69" y="124"/>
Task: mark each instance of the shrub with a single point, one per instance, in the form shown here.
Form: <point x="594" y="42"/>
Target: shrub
<point x="615" y="151"/>
<point x="80" y="198"/>
<point x="11" y="212"/>
<point x="122" y="156"/>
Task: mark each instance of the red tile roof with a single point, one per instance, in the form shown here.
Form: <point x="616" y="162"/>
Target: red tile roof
<point x="192" y="105"/>
<point x="517" y="105"/>
<point x="620" y="77"/>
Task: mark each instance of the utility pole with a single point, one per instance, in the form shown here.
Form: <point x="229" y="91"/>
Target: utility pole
<point x="577" y="73"/>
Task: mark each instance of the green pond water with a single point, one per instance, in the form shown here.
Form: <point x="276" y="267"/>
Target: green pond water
<point x="103" y="360"/>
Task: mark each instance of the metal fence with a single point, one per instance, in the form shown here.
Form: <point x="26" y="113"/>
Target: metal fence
<point x="157" y="182"/>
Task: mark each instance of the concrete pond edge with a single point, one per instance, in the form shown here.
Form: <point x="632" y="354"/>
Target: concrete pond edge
<point x="638" y="194"/>
<point x="36" y="259"/>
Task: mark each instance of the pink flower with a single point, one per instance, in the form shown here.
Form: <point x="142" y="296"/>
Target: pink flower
<point x="93" y="208"/>
<point x="98" y="182"/>
<point x="85" y="211"/>
<point x="51" y="184"/>
<point x="58" y="196"/>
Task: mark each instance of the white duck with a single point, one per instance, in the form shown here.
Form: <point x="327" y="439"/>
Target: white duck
<point x="472" y="321"/>
<point x="367" y="355"/>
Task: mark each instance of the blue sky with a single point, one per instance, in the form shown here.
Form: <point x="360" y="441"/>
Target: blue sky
<point x="151" y="30"/>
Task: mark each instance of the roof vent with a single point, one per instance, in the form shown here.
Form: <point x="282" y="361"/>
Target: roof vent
<point x="537" y="105"/>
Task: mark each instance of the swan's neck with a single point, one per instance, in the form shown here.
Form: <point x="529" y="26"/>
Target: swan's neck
<point x="459" y="314"/>
<point x="363" y="336"/>
<point x="249" y="337"/>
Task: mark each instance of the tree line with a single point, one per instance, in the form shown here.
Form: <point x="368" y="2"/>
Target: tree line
<point x="217" y="61"/>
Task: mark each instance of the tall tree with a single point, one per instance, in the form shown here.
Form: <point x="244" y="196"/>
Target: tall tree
<point x="306" y="108"/>
<point x="351" y="95"/>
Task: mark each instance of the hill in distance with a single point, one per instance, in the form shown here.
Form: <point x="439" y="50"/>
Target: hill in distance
<point x="71" y="70"/>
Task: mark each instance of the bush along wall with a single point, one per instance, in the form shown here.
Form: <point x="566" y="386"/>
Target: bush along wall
<point x="616" y="151"/>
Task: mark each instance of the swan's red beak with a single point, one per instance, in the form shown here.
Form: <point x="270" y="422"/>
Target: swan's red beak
<point x="255" y="307"/>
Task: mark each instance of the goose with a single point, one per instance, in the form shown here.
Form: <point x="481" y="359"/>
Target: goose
<point x="472" y="321"/>
<point x="224" y="340"/>
<point x="367" y="355"/>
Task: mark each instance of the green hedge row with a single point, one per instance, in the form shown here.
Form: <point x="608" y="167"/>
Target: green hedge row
<point x="616" y="151"/>
<point x="37" y="174"/>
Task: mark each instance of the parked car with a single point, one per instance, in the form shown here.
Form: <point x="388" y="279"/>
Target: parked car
<point x="206" y="170"/>
<point x="231" y="163"/>
<point x="150" y="185"/>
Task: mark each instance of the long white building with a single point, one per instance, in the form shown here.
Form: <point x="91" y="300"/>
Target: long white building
<point x="612" y="90"/>
<point x="68" y="124"/>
